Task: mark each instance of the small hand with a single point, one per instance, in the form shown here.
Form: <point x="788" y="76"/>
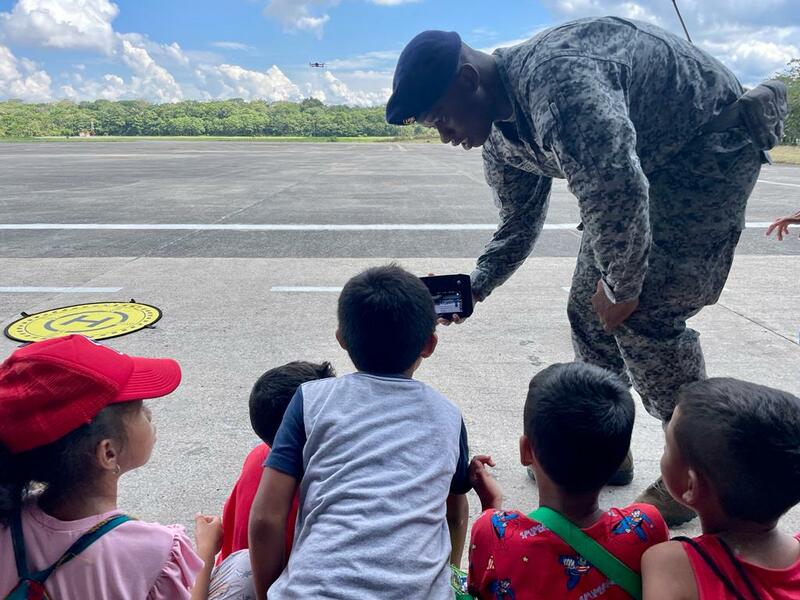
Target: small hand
<point x="483" y="483"/>
<point x="782" y="225"/>
<point x="208" y="535"/>
<point x="611" y="314"/>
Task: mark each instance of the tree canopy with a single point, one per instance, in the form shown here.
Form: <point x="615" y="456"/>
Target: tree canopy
<point x="791" y="77"/>
<point x="217" y="117"/>
<point x="239" y="118"/>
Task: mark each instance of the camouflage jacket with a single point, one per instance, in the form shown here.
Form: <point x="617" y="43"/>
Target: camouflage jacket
<point x="599" y="102"/>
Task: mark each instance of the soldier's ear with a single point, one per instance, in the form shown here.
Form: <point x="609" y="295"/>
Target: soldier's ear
<point x="469" y="78"/>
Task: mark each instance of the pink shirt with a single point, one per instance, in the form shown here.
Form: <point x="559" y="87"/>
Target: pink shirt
<point x="135" y="561"/>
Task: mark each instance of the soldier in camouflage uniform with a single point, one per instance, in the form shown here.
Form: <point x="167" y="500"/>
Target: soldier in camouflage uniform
<point x="627" y="113"/>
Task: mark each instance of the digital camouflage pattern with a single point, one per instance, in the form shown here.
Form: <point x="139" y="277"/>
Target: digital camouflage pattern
<point x="618" y="109"/>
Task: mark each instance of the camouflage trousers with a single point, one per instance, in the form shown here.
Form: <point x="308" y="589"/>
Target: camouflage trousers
<point x="697" y="205"/>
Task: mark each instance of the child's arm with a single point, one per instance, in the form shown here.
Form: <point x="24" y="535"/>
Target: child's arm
<point x="782" y="225"/>
<point x="208" y="535"/>
<point x="667" y="573"/>
<point x="267" y="529"/>
<point x="457" y="519"/>
<point x="484" y="484"/>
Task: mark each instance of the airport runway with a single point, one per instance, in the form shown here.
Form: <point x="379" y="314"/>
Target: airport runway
<point x="243" y="245"/>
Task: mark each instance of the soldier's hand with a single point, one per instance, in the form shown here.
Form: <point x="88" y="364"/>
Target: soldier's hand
<point x="611" y="314"/>
<point x="456" y="319"/>
<point x="782" y="225"/>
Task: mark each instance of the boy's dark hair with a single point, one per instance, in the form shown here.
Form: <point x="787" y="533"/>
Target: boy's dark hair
<point x="745" y="438"/>
<point x="579" y="419"/>
<point x="386" y="315"/>
<point x="273" y="391"/>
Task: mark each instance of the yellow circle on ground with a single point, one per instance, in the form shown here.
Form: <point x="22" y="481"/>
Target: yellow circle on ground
<point x="98" y="321"/>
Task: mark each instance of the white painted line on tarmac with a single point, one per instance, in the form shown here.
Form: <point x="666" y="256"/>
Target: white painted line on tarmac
<point x="57" y="290"/>
<point x="779" y="183"/>
<point x="284" y="226"/>
<point x="266" y="226"/>
<point x="305" y="289"/>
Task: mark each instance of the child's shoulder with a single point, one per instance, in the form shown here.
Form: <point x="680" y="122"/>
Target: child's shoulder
<point x="637" y="508"/>
<point x="145" y="534"/>
<point x="642" y="521"/>
<point x="504" y="524"/>
<point x="132" y="537"/>
<point x="666" y="566"/>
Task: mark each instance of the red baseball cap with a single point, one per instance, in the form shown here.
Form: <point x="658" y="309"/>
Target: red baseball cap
<point x="50" y="388"/>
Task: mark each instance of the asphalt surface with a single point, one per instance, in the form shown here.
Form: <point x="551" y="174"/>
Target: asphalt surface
<point x="226" y="183"/>
<point x="226" y="325"/>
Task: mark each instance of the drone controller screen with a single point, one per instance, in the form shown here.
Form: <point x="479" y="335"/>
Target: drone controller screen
<point x="448" y="302"/>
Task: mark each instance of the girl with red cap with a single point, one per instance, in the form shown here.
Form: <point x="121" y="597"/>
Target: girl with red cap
<point x="72" y="423"/>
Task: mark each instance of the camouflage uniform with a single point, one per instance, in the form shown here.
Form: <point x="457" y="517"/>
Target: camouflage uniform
<point x="618" y="108"/>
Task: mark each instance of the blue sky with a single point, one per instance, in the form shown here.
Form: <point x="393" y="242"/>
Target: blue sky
<point x="170" y="50"/>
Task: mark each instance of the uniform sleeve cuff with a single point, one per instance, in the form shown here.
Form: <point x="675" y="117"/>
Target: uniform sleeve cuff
<point x="479" y="283"/>
<point x="621" y="293"/>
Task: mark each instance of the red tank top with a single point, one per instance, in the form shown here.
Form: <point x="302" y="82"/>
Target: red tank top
<point x="771" y="584"/>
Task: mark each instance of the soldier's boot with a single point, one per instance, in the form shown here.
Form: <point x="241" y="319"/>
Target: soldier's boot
<point x="623" y="476"/>
<point x="674" y="512"/>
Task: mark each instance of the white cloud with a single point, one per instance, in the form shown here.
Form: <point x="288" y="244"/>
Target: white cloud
<point x="368" y="60"/>
<point x="68" y="24"/>
<point x="21" y="79"/>
<point x="754" y="39"/>
<point x="337" y="91"/>
<point x="232" y="46"/>
<point x="108" y="87"/>
<point x="233" y="81"/>
<point x="149" y="80"/>
<point x="311" y="15"/>
<point x="301" y="15"/>
<point x="171" y="53"/>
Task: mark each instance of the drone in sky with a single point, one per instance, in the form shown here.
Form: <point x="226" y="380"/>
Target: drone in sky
<point x="316" y="65"/>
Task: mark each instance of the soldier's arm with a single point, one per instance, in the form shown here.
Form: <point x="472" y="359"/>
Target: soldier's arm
<point x="522" y="198"/>
<point x="595" y="142"/>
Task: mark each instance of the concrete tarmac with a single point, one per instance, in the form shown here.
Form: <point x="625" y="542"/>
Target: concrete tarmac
<point x="225" y="325"/>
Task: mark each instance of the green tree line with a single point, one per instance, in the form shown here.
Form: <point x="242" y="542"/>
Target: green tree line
<point x="239" y="118"/>
<point x="218" y="118"/>
<point x="791" y="77"/>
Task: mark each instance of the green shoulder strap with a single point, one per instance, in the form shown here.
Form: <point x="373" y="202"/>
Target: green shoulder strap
<point x="602" y="559"/>
<point x="81" y="544"/>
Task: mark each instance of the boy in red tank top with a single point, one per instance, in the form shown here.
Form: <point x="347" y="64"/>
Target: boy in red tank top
<point x="733" y="455"/>
<point x="578" y="420"/>
<point x="268" y="401"/>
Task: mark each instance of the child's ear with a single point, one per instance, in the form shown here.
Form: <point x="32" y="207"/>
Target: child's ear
<point x="430" y="346"/>
<point x="525" y="451"/>
<point x="107" y="456"/>
<point x="694" y="484"/>
<point x="340" y="339"/>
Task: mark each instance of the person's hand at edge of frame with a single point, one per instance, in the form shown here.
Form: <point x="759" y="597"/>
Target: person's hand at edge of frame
<point x="782" y="225"/>
<point x="611" y="314"/>
<point x="484" y="484"/>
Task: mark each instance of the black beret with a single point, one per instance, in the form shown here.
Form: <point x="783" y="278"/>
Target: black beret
<point x="425" y="69"/>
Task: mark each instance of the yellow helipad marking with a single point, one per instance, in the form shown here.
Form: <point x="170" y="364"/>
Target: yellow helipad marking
<point x="97" y="320"/>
